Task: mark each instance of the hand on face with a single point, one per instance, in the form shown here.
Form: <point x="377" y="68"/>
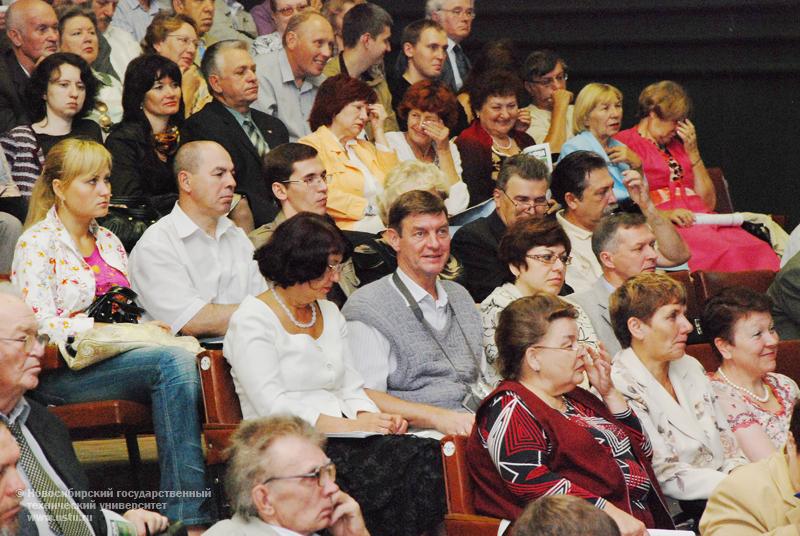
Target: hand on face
<point x="346" y="519"/>
<point x="597" y="364"/>
<point x="688" y="134"/>
<point x="377" y="116"/>
<point x="562" y="98"/>
<point x="438" y="132"/>
<point x="523" y="120"/>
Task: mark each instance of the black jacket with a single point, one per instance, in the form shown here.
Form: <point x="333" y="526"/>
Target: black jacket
<point x="475" y="245"/>
<point x="13" y="81"/>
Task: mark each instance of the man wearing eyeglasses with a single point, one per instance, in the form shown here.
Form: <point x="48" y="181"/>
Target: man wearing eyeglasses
<point x="281" y="483"/>
<point x="520" y="192"/>
<point x="456" y="17"/>
<point x="280" y="13"/>
<point x="193" y="267"/>
<point x="550" y="108"/>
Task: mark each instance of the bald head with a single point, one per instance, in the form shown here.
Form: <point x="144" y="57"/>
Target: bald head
<point x="188" y="156"/>
<point x="32" y="28"/>
<point x="13" y="313"/>
<point x="309" y="43"/>
<point x="204" y="170"/>
<point x="19" y="360"/>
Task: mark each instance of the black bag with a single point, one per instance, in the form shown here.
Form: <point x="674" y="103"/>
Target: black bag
<point x="116" y="306"/>
<point x="129" y="217"/>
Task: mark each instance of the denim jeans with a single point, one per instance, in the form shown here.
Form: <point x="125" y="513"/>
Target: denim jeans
<point x="167" y="378"/>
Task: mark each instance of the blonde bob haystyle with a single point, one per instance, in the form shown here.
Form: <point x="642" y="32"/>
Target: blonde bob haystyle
<point x="591" y="96"/>
<point x="68" y="160"/>
<point x="410" y="175"/>
<point x="667" y="99"/>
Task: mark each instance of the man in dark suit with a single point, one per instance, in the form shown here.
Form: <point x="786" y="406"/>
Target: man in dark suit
<point x="32" y="30"/>
<point x="456" y="17"/>
<point x="48" y="464"/>
<point x="520" y="191"/>
<point x="246" y="134"/>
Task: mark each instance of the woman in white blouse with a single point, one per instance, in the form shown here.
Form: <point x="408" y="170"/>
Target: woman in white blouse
<point x="288" y="352"/>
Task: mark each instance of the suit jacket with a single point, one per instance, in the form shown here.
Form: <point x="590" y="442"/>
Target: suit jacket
<point x="594" y="303"/>
<point x="447" y="72"/>
<point x="214" y="122"/>
<point x="13" y="80"/>
<point x="53" y="438"/>
<point x="240" y="526"/>
<point x="755" y="500"/>
<point x="693" y="447"/>
<point x="785" y="294"/>
<point x="475" y="246"/>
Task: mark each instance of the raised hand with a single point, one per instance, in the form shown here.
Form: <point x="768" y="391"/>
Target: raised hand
<point x="623" y="153"/>
<point x="688" y="135"/>
<point x="438" y="132"/>
<point x="523" y="120"/>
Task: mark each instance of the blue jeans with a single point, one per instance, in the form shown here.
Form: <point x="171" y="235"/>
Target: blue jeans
<point x="167" y="378"/>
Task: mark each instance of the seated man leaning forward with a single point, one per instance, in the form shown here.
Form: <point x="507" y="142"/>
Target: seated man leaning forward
<point x="416" y="339"/>
<point x="582" y="185"/>
<point x="280" y="483"/>
<point x="193" y="267"/>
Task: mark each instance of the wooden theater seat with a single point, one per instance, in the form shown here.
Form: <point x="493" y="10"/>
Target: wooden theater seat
<point x="461" y="519"/>
<point x="788" y="357"/>
<point x="694" y="307"/>
<point x="708" y="284"/>
<point x="222" y="410"/>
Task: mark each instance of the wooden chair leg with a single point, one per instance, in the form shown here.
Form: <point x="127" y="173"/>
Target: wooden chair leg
<point x="134" y="458"/>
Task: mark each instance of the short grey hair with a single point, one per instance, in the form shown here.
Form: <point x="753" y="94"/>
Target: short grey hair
<point x="249" y="456"/>
<point x="604" y="237"/>
<point x="435" y="5"/>
<point x="406" y="176"/>
<point x="211" y="63"/>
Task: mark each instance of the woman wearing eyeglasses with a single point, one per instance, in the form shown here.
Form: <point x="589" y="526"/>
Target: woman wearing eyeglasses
<point x="288" y="352"/>
<point x="539" y="434"/>
<point x="536" y="251"/>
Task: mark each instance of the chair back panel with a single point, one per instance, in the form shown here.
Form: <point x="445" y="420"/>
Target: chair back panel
<point x="703" y="353"/>
<point x="458" y="484"/>
<point x="219" y="394"/>
<point x="788" y="358"/>
<point x="724" y="202"/>
<point x="708" y="284"/>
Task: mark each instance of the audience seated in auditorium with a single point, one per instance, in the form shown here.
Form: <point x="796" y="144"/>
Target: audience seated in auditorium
<point x="596" y="119"/>
<point x="357" y="167"/>
<point x="624" y="246"/>
<point x="455" y="16"/>
<point x="785" y="294"/>
<point x="334" y="11"/>
<point x="289" y="353"/>
<point x="503" y="55"/>
<point x="280" y="479"/>
<point x="582" y="184"/>
<point x="43" y="436"/>
<point x="280" y="13"/>
<point x="666" y="142"/>
<point x="693" y="447"/>
<point x="537" y="252"/>
<point x="757" y="401"/>
<point x="521" y="190"/>
<point x="563" y="515"/>
<point x="231" y="21"/>
<point x="416" y="339"/>
<point x="193" y="267"/>
<point x="134" y="16"/>
<point x="423" y="46"/>
<point x="123" y="47"/>
<point x="202" y="13"/>
<point x="288" y="79"/>
<point x="174" y="36"/>
<point x="60" y="94"/>
<point x="760" y="498"/>
<point x="247" y="134"/>
<point x="495" y="134"/>
<point x="545" y="76"/>
<point x="540" y="434"/>
<point x="428" y="112"/>
<point x="32" y="30"/>
<point x="366" y="30"/>
<point x="62" y="262"/>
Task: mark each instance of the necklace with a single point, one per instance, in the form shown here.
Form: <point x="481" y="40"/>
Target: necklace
<point x="507" y="147"/>
<point x="761" y="399"/>
<point x="286" y="310"/>
<point x="419" y="153"/>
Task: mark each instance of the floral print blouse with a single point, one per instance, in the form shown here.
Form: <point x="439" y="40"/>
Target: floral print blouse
<point x="54" y="278"/>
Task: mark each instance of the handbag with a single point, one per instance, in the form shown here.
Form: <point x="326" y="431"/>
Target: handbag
<point x="129" y="217"/>
<point x="116" y="306"/>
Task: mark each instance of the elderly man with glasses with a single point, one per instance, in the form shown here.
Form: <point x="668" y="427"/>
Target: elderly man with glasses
<point x="545" y="76"/>
<point x="456" y="17"/>
<point x="521" y="191"/>
<point x="280" y="482"/>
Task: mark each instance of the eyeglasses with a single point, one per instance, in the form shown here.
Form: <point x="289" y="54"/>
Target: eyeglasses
<point x="336" y="268"/>
<point x="289" y="11"/>
<point x="574" y="347"/>
<point x="539" y="205"/>
<point x="185" y="41"/>
<point x="551" y="258"/>
<point x="316" y="180"/>
<point x="324" y="474"/>
<point x="561" y="78"/>
<point x="459" y="12"/>
<point x="30" y="341"/>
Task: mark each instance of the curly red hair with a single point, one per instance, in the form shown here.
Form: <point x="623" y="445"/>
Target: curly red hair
<point x="433" y="97"/>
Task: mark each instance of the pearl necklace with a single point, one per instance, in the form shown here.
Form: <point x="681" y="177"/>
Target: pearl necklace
<point x="286" y="310"/>
<point x="500" y="147"/>
<point x="761" y="399"/>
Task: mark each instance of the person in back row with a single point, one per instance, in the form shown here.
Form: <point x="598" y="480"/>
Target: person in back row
<point x="545" y="78"/>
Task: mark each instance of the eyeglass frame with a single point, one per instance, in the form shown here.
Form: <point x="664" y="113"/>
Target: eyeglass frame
<point x="309" y="182"/>
<point x="546" y="82"/>
<point x="574" y="347"/>
<point x="565" y="259"/>
<point x="290" y="11"/>
<point x="40" y="338"/>
<point x="184" y="39"/>
<point x="458" y="12"/>
<point x="318" y="473"/>
<point x="532" y="204"/>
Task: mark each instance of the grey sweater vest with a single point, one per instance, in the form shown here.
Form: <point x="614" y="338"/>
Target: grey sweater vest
<point x="423" y="374"/>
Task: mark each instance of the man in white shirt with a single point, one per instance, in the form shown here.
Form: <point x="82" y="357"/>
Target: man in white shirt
<point x="193" y="267"/>
<point x="582" y="185"/>
<point x="456" y="17"/>
<point x="551" y="112"/>
<point x="123" y="46"/>
<point x="416" y="339"/>
<point x="134" y="16"/>
<point x="288" y="78"/>
<point x="281" y="483"/>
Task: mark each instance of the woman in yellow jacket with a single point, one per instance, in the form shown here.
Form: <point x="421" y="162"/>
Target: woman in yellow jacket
<point x="356" y="168"/>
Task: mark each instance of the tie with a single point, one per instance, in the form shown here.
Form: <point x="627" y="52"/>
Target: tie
<point x="201" y="50"/>
<point x="462" y="61"/>
<point x="62" y="515"/>
<point x="255" y="137"/>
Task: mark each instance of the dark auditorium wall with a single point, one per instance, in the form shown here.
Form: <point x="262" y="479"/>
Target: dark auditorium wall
<point x="739" y="60"/>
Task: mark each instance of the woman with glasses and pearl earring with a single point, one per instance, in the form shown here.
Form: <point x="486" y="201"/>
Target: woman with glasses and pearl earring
<point x="289" y="353"/>
<point x="538" y="433"/>
<point x="757" y="401"/>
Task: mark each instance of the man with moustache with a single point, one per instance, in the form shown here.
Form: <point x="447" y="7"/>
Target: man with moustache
<point x="247" y="134"/>
<point x="582" y="185"/>
<point x="456" y="17"/>
<point x="123" y="47"/>
<point x="32" y="30"/>
<point x="289" y="78"/>
<point x="193" y="267"/>
<point x="545" y="79"/>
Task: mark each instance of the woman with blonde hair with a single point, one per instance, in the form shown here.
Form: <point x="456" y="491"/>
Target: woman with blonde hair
<point x="62" y="263"/>
<point x="174" y="36"/>
<point x="597" y="117"/>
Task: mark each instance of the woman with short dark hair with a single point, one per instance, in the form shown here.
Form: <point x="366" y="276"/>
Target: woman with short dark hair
<point x="356" y="167"/>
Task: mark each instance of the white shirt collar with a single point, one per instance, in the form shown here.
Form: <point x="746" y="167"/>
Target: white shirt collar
<point x="285" y="532"/>
<point x="571" y="228"/>
<point x="185" y="226"/>
<point x="419" y="293"/>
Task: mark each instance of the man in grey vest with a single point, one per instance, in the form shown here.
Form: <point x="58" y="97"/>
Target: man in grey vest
<point x="416" y="339"/>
